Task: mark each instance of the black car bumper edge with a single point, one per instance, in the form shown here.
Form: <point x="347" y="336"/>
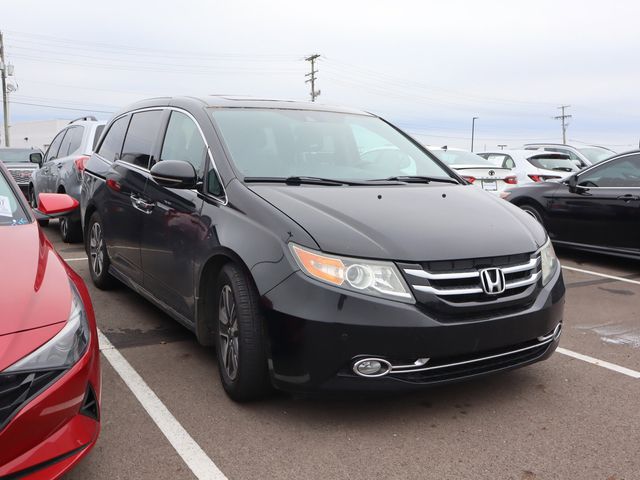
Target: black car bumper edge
<point x="315" y="333"/>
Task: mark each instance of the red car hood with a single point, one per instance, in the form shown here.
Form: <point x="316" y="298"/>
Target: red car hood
<point x="34" y="285"/>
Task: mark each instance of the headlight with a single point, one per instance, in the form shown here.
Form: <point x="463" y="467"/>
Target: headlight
<point x="372" y="277"/>
<point x="63" y="350"/>
<point x="549" y="262"/>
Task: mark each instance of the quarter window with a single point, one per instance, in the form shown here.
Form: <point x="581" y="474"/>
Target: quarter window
<point x="141" y="136"/>
<point x="183" y="141"/>
<point x="72" y="141"/>
<point x="112" y="143"/>
<point x="52" y="152"/>
<point x="620" y="173"/>
<point x="96" y="136"/>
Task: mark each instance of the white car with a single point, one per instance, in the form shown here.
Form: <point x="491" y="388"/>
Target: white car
<point x="532" y="166"/>
<point x="476" y="169"/>
<point x="582" y="155"/>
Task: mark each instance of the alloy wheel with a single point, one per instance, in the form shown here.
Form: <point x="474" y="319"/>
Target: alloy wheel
<point x="228" y="332"/>
<point x="64" y="227"/>
<point x="95" y="249"/>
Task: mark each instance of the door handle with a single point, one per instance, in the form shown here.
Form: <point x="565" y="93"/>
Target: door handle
<point x="142" y="205"/>
<point x="628" y="197"/>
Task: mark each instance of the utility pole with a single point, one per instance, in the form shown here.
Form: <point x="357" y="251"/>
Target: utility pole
<point x="473" y="130"/>
<point x="563" y="119"/>
<point x="312" y="76"/>
<point x="5" y="103"/>
<point x="502" y="146"/>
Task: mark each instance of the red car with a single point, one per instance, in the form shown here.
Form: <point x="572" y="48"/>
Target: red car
<point x="49" y="357"/>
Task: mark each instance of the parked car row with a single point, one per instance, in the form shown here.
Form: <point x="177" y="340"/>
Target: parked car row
<point x="315" y="247"/>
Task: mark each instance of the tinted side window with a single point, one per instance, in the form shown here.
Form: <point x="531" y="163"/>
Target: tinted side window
<point x="72" y="141"/>
<point x="566" y="151"/>
<point x="52" y="152"/>
<point x="140" y="138"/>
<point x="184" y="142"/>
<point x="96" y="136"/>
<point x="112" y="144"/>
<point x="621" y="173"/>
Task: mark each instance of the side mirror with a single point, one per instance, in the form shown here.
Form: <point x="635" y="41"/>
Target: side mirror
<point x="56" y="204"/>
<point x="174" y="174"/>
<point x="36" y="157"/>
<point x="572" y="181"/>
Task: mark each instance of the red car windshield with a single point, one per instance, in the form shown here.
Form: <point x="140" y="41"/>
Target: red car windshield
<point x="11" y="211"/>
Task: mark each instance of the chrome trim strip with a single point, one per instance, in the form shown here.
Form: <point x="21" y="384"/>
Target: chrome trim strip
<point x="521" y="268"/>
<point x="457" y="275"/>
<point x="533" y="278"/>
<point x="489" y="357"/>
<point x="451" y="291"/>
<point x="527" y="281"/>
<point x="440" y="276"/>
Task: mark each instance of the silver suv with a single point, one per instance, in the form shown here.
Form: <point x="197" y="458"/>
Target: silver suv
<point x="62" y="168"/>
<point x="582" y="155"/>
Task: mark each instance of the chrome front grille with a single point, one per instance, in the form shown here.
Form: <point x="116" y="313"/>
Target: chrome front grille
<point x="21" y="175"/>
<point x="471" y="280"/>
<point x="455" y="289"/>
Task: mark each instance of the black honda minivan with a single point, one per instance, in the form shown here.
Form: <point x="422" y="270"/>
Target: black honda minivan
<point x="318" y="248"/>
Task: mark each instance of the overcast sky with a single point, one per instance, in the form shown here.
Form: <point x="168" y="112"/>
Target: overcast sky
<point x="427" y="66"/>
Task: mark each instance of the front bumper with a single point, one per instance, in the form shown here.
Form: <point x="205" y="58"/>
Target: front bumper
<point x="315" y="333"/>
<point x="54" y="430"/>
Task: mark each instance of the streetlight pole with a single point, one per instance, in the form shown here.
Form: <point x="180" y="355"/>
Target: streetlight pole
<point x="473" y="130"/>
<point x="5" y="103"/>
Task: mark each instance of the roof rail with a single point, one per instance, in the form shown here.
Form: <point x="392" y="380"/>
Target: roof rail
<point x="85" y="118"/>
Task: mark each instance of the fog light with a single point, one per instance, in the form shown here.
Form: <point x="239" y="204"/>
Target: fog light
<point x="371" y="367"/>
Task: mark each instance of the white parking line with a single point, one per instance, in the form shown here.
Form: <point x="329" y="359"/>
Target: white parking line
<point x="587" y="358"/>
<point x="190" y="452"/>
<point x="600" y="363"/>
<point x="604" y="275"/>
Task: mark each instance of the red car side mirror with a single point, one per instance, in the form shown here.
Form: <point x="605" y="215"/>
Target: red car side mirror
<point x="56" y="203"/>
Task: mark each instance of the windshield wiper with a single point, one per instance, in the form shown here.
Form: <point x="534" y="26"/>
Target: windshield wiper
<point x="419" y="179"/>
<point x="299" y="180"/>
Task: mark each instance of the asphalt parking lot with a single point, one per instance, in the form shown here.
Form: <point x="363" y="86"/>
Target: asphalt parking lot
<point x="568" y="418"/>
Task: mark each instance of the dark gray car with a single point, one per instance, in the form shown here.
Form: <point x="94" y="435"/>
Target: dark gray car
<point x="62" y="167"/>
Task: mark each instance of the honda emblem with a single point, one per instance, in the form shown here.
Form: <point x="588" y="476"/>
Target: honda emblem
<point x="492" y="280"/>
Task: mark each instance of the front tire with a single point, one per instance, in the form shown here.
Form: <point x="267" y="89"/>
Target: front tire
<point x="97" y="252"/>
<point x="70" y="230"/>
<point x="242" y="360"/>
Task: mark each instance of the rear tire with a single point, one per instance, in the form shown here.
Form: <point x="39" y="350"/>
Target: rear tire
<point x="34" y="204"/>
<point x="534" y="212"/>
<point x="242" y="359"/>
<point x="70" y="230"/>
<point x="97" y="252"/>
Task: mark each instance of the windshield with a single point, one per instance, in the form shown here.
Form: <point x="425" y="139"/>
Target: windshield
<point x="563" y="164"/>
<point x="15" y="155"/>
<point x="11" y="212"/>
<point x="596" y="154"/>
<point x="461" y="157"/>
<point x="301" y="143"/>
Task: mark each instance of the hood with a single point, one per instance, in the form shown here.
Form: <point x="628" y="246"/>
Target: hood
<point x="34" y="286"/>
<point x="410" y="223"/>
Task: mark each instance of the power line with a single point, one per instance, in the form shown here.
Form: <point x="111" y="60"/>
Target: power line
<point x="61" y="108"/>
